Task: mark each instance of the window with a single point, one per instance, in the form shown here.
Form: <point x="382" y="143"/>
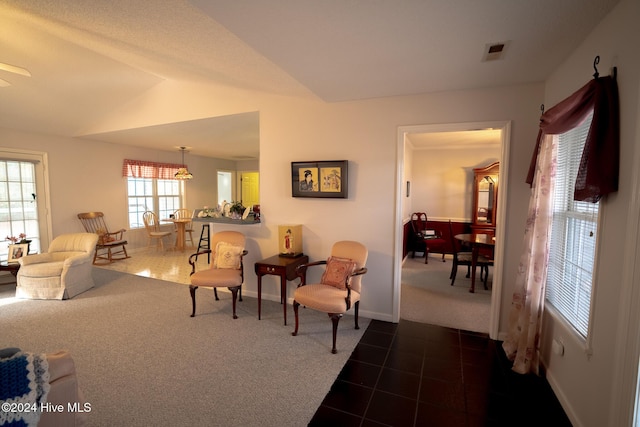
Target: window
<point x="151" y="187"/>
<point x="18" y="204"/>
<point x="573" y="237"/>
<point x="161" y="196"/>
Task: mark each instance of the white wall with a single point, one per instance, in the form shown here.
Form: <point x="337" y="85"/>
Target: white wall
<point x="590" y="386"/>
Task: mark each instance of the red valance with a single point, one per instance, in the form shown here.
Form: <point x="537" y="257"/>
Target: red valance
<point x="599" y="167"/>
<point x="145" y="169"/>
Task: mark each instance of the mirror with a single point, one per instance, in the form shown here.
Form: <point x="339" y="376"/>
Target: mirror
<point x="485" y="198"/>
<point x="486" y="189"/>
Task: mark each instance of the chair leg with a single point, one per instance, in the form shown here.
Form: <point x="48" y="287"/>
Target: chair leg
<point x="192" y="291"/>
<point x="454" y="272"/>
<point x="335" y="319"/>
<point x="296" y="305"/>
<point x="215" y="292"/>
<point x="234" y="292"/>
<point x="357" y="306"/>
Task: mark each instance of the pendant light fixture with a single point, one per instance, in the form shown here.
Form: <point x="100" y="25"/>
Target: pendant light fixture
<point x="183" y="173"/>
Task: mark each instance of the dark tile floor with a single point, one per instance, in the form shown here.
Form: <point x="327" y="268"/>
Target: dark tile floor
<point x="413" y="374"/>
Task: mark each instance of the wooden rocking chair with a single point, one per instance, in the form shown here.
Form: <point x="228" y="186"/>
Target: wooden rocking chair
<point x="111" y="245"/>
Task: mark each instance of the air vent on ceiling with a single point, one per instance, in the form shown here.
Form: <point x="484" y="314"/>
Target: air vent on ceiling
<point x="494" y="51"/>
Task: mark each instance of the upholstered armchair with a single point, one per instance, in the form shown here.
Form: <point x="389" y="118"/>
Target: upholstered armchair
<point x="227" y="269"/>
<point x="62" y="272"/>
<point x="340" y="285"/>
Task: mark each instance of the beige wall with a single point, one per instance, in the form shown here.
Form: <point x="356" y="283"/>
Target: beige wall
<point x="443" y="180"/>
<point x="590" y="385"/>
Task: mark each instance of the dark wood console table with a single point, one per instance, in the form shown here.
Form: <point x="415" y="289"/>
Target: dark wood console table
<point x="285" y="267"/>
<point x="11" y="267"/>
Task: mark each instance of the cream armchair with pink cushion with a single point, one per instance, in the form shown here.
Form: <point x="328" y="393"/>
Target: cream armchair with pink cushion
<point x="63" y="272"/>
<point x="340" y="285"/>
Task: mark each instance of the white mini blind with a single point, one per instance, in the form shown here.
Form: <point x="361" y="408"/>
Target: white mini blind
<point x="573" y="237"/>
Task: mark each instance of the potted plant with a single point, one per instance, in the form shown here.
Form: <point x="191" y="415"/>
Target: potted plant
<point x="236" y="210"/>
<point x="20" y="240"/>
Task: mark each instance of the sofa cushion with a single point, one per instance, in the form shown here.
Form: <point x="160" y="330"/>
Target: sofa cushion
<point x="46" y="269"/>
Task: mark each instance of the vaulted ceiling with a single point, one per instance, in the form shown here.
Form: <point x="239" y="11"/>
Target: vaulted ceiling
<point x="88" y="59"/>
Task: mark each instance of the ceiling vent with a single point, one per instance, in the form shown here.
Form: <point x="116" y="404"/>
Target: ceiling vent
<point x="494" y="51"/>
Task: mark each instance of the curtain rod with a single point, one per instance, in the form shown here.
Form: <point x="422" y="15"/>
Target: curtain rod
<point x="596" y="61"/>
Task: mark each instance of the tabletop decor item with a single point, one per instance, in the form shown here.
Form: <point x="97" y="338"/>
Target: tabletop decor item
<point x="17" y="251"/>
<point x="236" y="210"/>
<point x="290" y="238"/>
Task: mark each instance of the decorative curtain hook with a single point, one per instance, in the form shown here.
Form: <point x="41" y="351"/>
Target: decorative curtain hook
<point x="596" y="61"/>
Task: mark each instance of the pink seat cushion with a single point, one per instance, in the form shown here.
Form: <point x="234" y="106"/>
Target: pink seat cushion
<point x="324" y="298"/>
<point x="217" y="277"/>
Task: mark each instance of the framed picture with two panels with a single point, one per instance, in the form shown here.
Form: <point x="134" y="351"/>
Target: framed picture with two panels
<point x="324" y="179"/>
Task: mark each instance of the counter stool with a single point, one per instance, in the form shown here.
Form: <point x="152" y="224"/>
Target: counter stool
<point x="204" y="242"/>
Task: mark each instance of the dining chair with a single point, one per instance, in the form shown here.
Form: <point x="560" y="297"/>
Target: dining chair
<point x="184" y="213"/>
<point x="424" y="239"/>
<point x="226" y="270"/>
<point x="339" y="287"/>
<point x="153" y="230"/>
<point x="461" y="257"/>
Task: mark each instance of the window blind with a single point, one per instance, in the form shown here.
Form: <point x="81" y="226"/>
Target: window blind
<point x="573" y="236"/>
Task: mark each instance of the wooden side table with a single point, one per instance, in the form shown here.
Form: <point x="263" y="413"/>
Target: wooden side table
<point x="11" y="267"/>
<point x="285" y="267"/>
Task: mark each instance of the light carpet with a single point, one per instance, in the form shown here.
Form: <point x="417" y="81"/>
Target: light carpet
<point x="428" y="297"/>
<point x="141" y="359"/>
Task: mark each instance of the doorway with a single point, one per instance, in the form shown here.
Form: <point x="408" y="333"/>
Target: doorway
<point x="250" y="188"/>
<point x="403" y="204"/>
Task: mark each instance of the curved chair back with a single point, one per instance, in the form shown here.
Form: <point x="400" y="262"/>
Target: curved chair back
<point x="419" y="222"/>
<point x="355" y="251"/>
<point x="74" y="242"/>
<point x="232" y="237"/>
<point x="150" y="221"/>
<point x="93" y="222"/>
<point x="182" y="213"/>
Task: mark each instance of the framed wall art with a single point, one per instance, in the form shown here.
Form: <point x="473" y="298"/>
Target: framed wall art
<point x="327" y="179"/>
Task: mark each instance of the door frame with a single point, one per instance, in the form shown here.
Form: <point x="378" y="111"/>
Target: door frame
<point x="505" y="131"/>
<point x="41" y="162"/>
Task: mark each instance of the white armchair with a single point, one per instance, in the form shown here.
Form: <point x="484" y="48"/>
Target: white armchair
<point x="62" y="272"/>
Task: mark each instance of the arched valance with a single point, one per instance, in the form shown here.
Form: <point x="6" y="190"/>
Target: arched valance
<point x="599" y="167"/>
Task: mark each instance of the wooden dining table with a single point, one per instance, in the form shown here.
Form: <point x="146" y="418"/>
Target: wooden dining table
<point x="181" y="224"/>
<point x="476" y="241"/>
